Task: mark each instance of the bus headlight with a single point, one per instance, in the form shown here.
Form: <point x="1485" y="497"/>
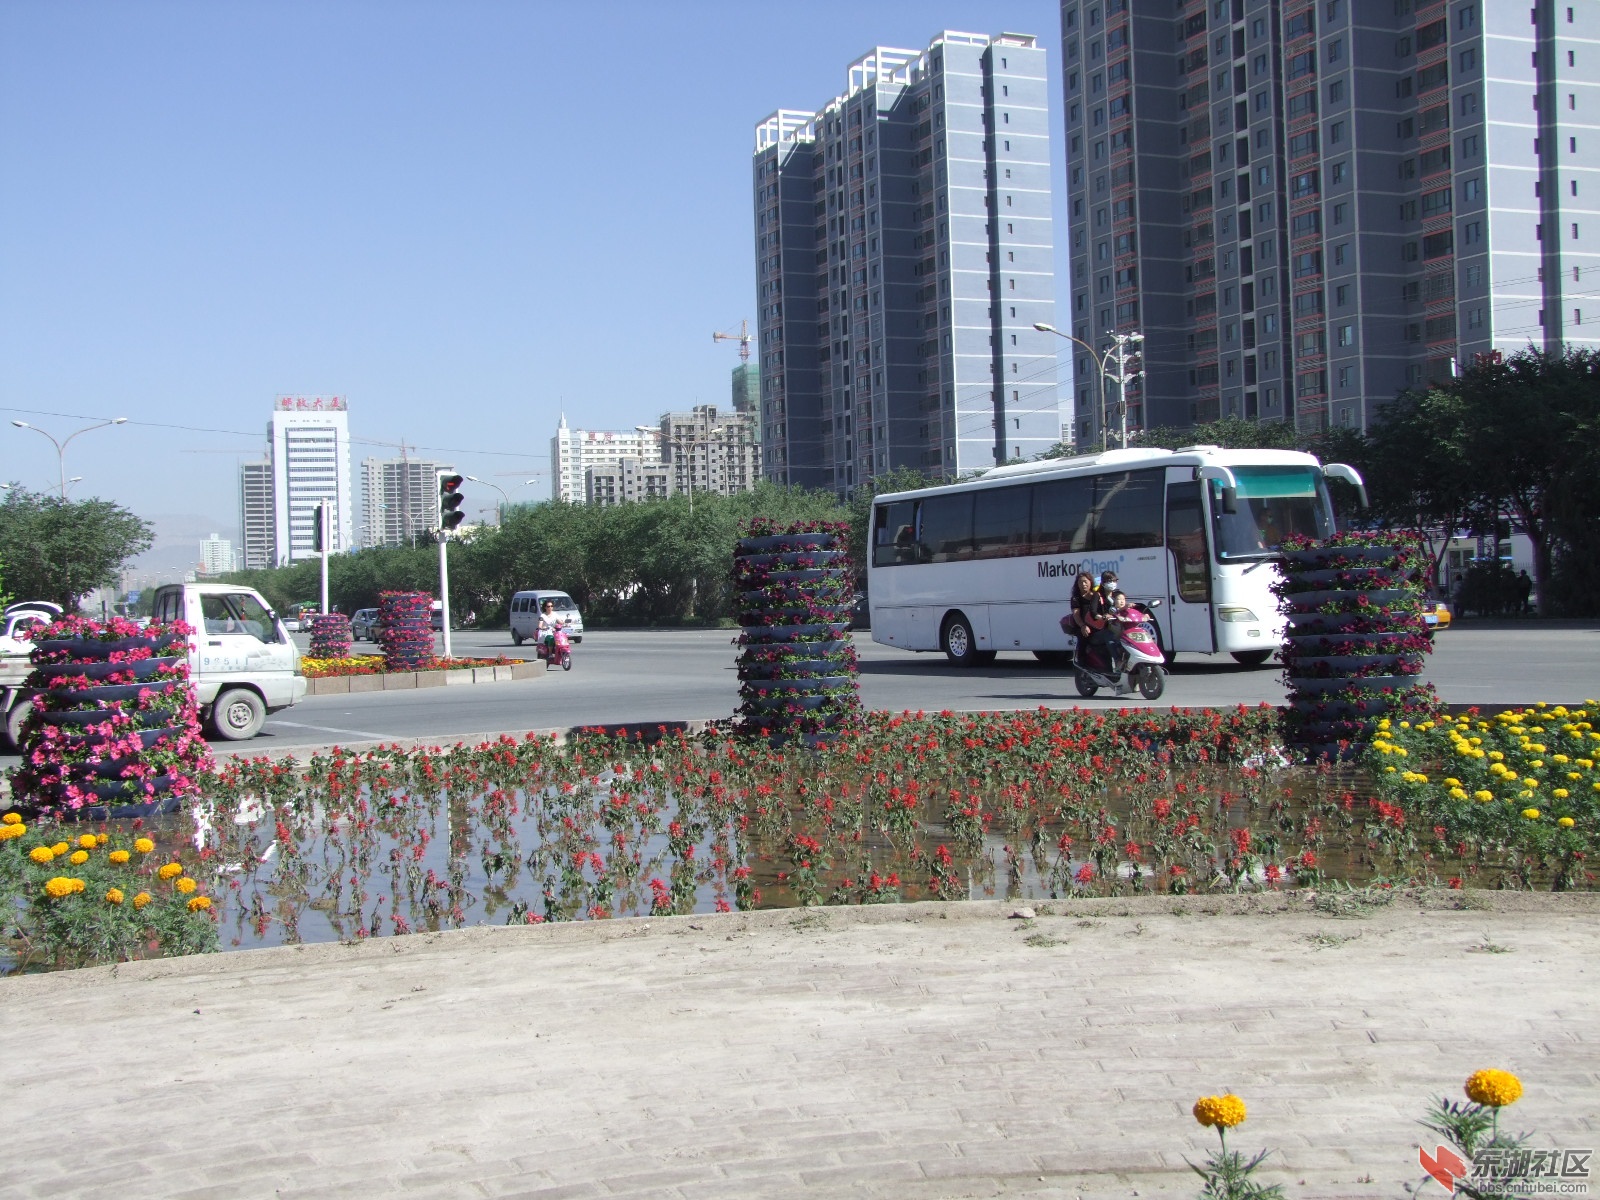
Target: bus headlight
<point x="1228" y="612"/>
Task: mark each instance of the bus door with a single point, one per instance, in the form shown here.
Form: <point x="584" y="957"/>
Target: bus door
<point x="1187" y="625"/>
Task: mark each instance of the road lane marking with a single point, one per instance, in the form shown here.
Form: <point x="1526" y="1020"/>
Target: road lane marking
<point x="377" y="737"/>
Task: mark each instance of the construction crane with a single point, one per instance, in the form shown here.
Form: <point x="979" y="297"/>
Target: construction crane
<point x="742" y="337"/>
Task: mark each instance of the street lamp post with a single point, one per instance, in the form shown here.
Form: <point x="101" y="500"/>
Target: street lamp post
<point x="1124" y="352"/>
<point x="500" y="517"/>
<point x="61" y="446"/>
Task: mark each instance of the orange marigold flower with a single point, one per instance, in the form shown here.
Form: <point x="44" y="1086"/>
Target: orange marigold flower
<point x="186" y="885"/>
<point x="1493" y="1089"/>
<point x="114" y="896"/>
<point x="170" y="869"/>
<point x="78" y="858"/>
<point x="118" y="856"/>
<point x="1222" y="1111"/>
<point x="143" y="845"/>
<point x="199" y="903"/>
<point x="141" y="899"/>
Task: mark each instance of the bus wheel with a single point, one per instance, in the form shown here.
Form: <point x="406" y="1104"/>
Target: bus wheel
<point x="960" y="647"/>
<point x="1251" y="658"/>
<point x="1086" y="686"/>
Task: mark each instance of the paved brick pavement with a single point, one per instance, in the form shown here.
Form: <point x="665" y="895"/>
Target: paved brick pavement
<point x="916" y="1051"/>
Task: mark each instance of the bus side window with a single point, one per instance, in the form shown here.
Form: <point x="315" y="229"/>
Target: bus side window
<point x="947" y="528"/>
<point x="1128" y="509"/>
<point x="1061" y="516"/>
<point x="894" y="538"/>
<point x="1000" y="526"/>
<point x="1186" y="541"/>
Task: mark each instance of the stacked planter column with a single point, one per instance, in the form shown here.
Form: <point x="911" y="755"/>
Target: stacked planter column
<point x="403" y="630"/>
<point x="797" y="665"/>
<point x="115" y="731"/>
<point x="1356" y="638"/>
<point x="330" y="636"/>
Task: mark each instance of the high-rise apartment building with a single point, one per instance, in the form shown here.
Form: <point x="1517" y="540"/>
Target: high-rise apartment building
<point x="709" y="451"/>
<point x="626" y="481"/>
<point x="216" y="555"/>
<point x="574" y="451"/>
<point x="310" y="467"/>
<point x="399" y="500"/>
<point x="257" y="533"/>
<point x="903" y="257"/>
<point x="1309" y="205"/>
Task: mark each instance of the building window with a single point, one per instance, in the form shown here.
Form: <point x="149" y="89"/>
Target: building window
<point x="1347" y="335"/>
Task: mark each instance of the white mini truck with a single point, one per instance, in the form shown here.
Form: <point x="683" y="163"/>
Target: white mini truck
<point x="242" y="662"/>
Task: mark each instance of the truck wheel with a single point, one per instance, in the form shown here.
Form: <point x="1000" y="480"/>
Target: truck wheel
<point x="14" y="722"/>
<point x="238" y="715"/>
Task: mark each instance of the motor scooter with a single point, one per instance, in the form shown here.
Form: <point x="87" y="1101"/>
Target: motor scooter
<point x="559" y="651"/>
<point x="1136" y="661"/>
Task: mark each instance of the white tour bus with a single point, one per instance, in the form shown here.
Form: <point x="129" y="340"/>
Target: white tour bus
<point x="988" y="565"/>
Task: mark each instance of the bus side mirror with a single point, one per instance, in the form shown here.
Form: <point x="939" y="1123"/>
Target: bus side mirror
<point x="1228" y="482"/>
<point x="1350" y="475"/>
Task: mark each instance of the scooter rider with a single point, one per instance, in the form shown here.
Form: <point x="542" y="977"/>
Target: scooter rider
<point x="548" y="623"/>
<point x="1102" y="613"/>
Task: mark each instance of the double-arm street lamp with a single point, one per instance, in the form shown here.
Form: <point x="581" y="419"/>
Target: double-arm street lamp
<point x="505" y="500"/>
<point x="1124" y="353"/>
<point x="61" y="446"/>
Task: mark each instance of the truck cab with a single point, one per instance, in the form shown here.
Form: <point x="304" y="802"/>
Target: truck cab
<point x="242" y="662"/>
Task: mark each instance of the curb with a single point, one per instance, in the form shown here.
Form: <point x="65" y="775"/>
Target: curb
<point x="400" y="681"/>
<point x="644" y="731"/>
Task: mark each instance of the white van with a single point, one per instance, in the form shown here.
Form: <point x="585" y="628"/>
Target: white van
<point x="525" y="615"/>
<point x="242" y="662"/>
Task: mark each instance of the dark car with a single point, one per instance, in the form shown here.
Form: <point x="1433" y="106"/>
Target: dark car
<point x="364" y="625"/>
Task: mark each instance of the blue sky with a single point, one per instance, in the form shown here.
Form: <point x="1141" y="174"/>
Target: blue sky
<point x="463" y="216"/>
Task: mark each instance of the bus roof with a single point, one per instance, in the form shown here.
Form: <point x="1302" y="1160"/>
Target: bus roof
<point x="1125" y="460"/>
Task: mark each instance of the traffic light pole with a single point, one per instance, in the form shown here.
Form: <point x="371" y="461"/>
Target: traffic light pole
<point x="444" y="592"/>
<point x="322" y="526"/>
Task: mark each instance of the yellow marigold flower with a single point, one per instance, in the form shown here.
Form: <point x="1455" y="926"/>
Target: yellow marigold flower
<point x="11" y="818"/>
<point x="1560" y="793"/>
<point x="1494" y="754"/>
<point x="1449" y="782"/>
<point x="141" y="899"/>
<point x="78" y="858"/>
<point x="1537" y="763"/>
<point x="7" y="832"/>
<point x="1566" y="822"/>
<point x="187" y="885"/>
<point x="200" y="904"/>
<point x="1531" y="813"/>
<point x="60" y="848"/>
<point x="171" y="869"/>
<point x="78" y="885"/>
<point x="88" y="841"/>
<point x="118" y="856"/>
<point x="41" y="854"/>
<point x="114" y="896"/>
<point x="1457" y="794"/>
<point x="143" y="845"/>
<point x="1573" y="775"/>
<point x="1560" y="758"/>
<point x="1493" y="1089"/>
<point x="1222" y="1111"/>
<point x="58" y="887"/>
<point x="1483" y="796"/>
<point x="1401" y="751"/>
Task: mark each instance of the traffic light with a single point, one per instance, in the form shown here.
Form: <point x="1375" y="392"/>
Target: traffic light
<point x="318" y="523"/>
<point x="450" y="514"/>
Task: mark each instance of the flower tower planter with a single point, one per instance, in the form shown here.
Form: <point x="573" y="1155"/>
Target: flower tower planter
<point x="114" y="730"/>
<point x="403" y="630"/>
<point x="797" y="666"/>
<point x="1356" y="638"/>
<point x="330" y="636"/>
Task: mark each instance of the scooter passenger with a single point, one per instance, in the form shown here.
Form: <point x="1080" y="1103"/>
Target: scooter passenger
<point x="1103" y="612"/>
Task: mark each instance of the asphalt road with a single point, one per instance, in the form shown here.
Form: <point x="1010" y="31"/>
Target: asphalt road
<point x="671" y="675"/>
<point x="662" y="675"/>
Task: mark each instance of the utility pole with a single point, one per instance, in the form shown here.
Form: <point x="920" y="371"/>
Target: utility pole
<point x="1125" y="353"/>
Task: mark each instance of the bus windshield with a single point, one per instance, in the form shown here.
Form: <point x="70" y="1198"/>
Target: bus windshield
<point x="1272" y="503"/>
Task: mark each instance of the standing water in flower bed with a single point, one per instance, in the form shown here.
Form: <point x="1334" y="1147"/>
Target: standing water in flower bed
<point x="114" y="728"/>
<point x="403" y="630"/>
<point x="1356" y="637"/>
<point x="797" y="665"/>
